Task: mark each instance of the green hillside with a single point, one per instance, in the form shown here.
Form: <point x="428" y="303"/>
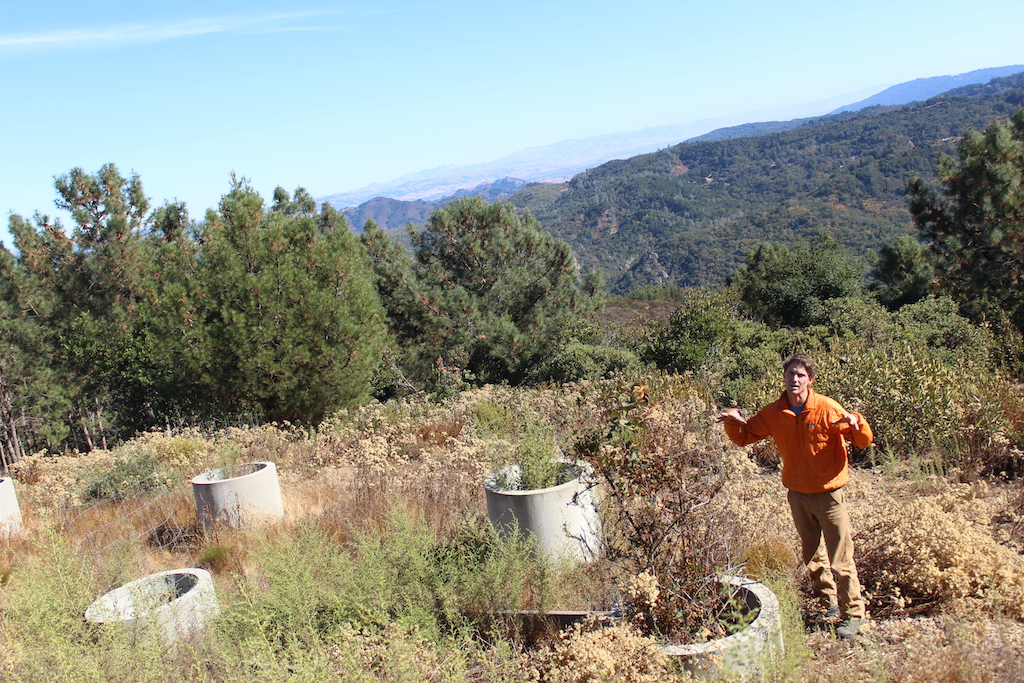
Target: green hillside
<point x="688" y="214"/>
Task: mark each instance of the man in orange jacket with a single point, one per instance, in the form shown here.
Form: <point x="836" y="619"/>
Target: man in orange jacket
<point x="810" y="431"/>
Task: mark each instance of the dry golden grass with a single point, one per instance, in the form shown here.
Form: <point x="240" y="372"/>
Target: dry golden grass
<point x="922" y="650"/>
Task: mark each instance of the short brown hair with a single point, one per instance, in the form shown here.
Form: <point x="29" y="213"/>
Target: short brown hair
<point x="804" y="360"/>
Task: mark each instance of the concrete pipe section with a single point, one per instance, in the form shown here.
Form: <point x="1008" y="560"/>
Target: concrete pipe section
<point x="563" y="519"/>
<point x="175" y="604"/>
<point x="745" y="653"/>
<point x="238" y="495"/>
<point x="10" y="511"/>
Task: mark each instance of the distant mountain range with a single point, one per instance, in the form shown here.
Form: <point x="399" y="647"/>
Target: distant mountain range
<point x="556" y="162"/>
<point x="926" y="88"/>
<point x="563" y="160"/>
<point x="392" y="213"/>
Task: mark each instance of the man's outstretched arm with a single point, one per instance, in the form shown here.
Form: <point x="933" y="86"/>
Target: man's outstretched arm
<point x="738" y="429"/>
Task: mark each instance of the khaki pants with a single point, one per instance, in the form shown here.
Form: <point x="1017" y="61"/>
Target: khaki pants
<point x="826" y="540"/>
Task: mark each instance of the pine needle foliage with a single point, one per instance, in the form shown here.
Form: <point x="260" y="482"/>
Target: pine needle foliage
<point x="488" y="291"/>
<point x="975" y="224"/>
<point x="136" y="319"/>
<point x="295" y="323"/>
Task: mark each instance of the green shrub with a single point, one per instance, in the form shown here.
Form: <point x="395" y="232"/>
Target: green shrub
<point x="700" y="331"/>
<point x="480" y="571"/>
<point x="936" y="323"/>
<point x="854" y="316"/>
<point x="927" y="379"/>
<point x="47" y="637"/>
<point x="310" y="588"/>
<point x="532" y="461"/>
<point x="578" y="361"/>
<point x="302" y="592"/>
<point x="494" y="419"/>
<point x="789" y="286"/>
<point x="750" y="374"/>
<point x="921" y="400"/>
<point x="217" y="557"/>
<point x="524" y="451"/>
<point x="134" y="472"/>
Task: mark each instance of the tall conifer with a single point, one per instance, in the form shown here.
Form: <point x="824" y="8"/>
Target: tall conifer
<point x="489" y="292"/>
<point x="296" y="327"/>
<point x="975" y="228"/>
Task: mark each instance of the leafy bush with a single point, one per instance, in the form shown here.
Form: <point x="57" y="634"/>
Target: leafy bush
<point x="750" y="373"/>
<point x="659" y="476"/>
<point x="858" y="317"/>
<point x="921" y="401"/>
<point x="577" y="361"/>
<point x="926" y="377"/>
<point x="137" y="468"/>
<point x="936" y="323"/>
<point x="698" y="332"/>
<point x="789" y="286"/>
<point x="493" y="418"/>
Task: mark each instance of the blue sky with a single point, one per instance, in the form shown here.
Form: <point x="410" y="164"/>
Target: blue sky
<point x="332" y="96"/>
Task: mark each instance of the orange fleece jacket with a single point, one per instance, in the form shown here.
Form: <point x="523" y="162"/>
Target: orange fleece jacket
<point x="814" y="457"/>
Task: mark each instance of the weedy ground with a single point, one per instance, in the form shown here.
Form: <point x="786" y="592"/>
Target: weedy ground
<point x="385" y="568"/>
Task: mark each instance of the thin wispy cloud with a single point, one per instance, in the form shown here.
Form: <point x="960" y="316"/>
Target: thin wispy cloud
<point x="121" y="35"/>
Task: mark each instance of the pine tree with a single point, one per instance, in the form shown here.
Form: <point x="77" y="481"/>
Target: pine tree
<point x="139" y="319"/>
<point x="488" y="292"/>
<point x="296" y="327"/>
<point x="975" y="228"/>
<point x="81" y="292"/>
<point x="397" y="285"/>
<point x="34" y="398"/>
<point x="784" y="286"/>
<point x="171" y="337"/>
<point x="903" y="274"/>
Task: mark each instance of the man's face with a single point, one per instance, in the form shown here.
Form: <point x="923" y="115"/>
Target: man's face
<point x="797" y="381"/>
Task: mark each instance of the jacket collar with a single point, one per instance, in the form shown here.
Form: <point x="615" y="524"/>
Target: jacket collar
<point x="812" y="400"/>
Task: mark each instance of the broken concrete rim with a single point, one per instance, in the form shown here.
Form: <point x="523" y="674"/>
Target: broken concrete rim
<point x="176" y="604"/>
<point x="10" y="511"/>
<point x="237" y="495"/>
<point x="743" y="654"/>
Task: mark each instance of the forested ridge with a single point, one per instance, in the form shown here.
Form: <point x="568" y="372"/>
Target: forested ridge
<point x="688" y="214"/>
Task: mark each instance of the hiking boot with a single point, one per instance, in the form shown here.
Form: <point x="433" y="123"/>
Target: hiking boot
<point x="850" y="628"/>
<point x="833" y="610"/>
